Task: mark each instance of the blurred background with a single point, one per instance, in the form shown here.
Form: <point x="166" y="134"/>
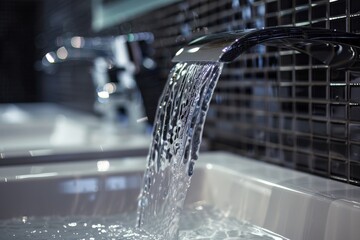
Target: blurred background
<point x="307" y="116"/>
<point x="30" y="29"/>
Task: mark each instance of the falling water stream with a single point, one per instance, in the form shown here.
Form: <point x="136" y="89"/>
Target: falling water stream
<point x="176" y="141"/>
<point x="170" y="164"/>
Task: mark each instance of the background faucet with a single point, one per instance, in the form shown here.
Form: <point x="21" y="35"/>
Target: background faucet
<point x="116" y="61"/>
<point x="335" y="49"/>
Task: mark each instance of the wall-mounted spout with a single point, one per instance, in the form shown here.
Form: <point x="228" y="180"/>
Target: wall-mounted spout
<point x="336" y="49"/>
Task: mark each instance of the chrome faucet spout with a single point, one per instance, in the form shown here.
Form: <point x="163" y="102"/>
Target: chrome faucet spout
<point x="333" y="48"/>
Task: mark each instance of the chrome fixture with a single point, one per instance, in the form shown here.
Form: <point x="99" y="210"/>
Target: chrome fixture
<point x="333" y="48"/>
<point x="115" y="60"/>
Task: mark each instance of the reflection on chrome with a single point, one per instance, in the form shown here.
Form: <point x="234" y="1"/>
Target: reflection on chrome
<point x="110" y="88"/>
<point x="62" y="53"/>
<point x="103" y="166"/>
<point x="37" y="175"/>
<point x="193" y="50"/>
<point x="77" y="42"/>
<point x="103" y="94"/>
<point x="86" y="185"/>
<point x="144" y="119"/>
<point x="179" y="52"/>
<point x="333" y="48"/>
<point x="116" y="183"/>
<point x="209" y="166"/>
<point x="50" y="57"/>
<point x="92" y="185"/>
<point x="40" y="152"/>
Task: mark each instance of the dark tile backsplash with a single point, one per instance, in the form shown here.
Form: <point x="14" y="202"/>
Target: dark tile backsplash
<point x="274" y="105"/>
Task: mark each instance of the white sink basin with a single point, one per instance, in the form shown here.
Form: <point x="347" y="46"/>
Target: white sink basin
<point x="292" y="204"/>
<point x="40" y="132"/>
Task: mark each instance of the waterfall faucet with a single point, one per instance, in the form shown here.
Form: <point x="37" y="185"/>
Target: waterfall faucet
<point x="333" y="48"/>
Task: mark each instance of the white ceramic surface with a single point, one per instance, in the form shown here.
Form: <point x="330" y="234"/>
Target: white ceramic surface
<point x="293" y="204"/>
<point x="29" y="131"/>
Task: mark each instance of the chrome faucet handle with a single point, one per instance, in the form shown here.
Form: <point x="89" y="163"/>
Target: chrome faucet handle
<point x="333" y="48"/>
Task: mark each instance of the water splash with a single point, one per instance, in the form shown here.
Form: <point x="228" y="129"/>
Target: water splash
<point x="176" y="141"/>
<point x="198" y="221"/>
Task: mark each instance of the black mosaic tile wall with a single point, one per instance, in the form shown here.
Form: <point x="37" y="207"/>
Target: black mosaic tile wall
<point x="274" y="105"/>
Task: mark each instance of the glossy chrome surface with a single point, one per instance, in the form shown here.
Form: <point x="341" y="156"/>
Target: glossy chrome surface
<point x="333" y="48"/>
<point x="290" y="203"/>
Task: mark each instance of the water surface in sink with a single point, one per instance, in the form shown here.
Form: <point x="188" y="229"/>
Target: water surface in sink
<point x="198" y="221"/>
